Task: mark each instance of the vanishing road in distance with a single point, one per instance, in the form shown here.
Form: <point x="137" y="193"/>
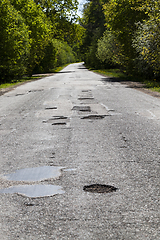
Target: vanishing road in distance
<point x="79" y="157"/>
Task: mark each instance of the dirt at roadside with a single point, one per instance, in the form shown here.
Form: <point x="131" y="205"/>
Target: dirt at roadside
<point x="141" y="87"/>
<point x="40" y="76"/>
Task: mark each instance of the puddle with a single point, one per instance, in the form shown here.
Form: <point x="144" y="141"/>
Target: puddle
<point x="35" y="174"/>
<point x="34" y="191"/>
<point x="82" y="108"/>
<point x="99" y="188"/>
<point x="93" y="117"/>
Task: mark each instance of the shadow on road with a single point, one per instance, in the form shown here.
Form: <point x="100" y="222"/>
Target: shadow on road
<point x="130" y="84"/>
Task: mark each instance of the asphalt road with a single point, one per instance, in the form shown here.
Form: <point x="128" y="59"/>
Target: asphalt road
<point x="71" y="130"/>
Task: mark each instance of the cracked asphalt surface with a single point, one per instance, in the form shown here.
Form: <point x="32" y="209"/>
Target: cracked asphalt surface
<point x="94" y="131"/>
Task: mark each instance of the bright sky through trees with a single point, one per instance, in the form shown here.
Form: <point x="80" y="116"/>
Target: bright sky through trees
<point x="80" y="7"/>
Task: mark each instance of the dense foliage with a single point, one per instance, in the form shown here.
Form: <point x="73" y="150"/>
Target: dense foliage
<point x="93" y="21"/>
<point x="37" y="35"/>
<point x="129" y="37"/>
<point x="14" y="42"/>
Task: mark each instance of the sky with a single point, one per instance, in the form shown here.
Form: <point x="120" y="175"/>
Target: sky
<point x="80" y="8"/>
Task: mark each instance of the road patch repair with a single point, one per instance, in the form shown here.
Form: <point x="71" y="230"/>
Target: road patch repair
<point x="94" y="117"/>
<point x="57" y="120"/>
<point x="82" y="108"/>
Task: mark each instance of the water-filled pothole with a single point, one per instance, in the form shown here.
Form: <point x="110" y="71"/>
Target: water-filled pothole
<point x="93" y="117"/>
<point x="34" y="191"/>
<point x="35" y="174"/>
<point x="99" y="188"/>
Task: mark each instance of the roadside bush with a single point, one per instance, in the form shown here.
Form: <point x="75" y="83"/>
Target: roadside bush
<point x="147" y="45"/>
<point x="65" y="54"/>
<point x="39" y="30"/>
<point x="14" y="42"/>
<point x="108" y="51"/>
<point x="56" y="53"/>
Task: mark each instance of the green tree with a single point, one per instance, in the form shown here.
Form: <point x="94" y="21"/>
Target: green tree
<point x="108" y="50"/>
<point x="78" y="37"/>
<point x="93" y="21"/>
<point x="57" y="53"/>
<point x="14" y="42"/>
<point x="62" y="8"/>
<point x="147" y="40"/>
<point x="121" y="18"/>
<point x="62" y="14"/>
<point x="39" y="30"/>
<point x="66" y="33"/>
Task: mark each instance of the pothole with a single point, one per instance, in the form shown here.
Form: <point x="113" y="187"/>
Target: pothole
<point x="50" y="108"/>
<point x="29" y="204"/>
<point x="35" y="174"/>
<point x="86" y="91"/>
<point x="93" y="117"/>
<point x="85" y="98"/>
<point x="53" y="155"/>
<point x="59" y="117"/>
<point x="36" y="90"/>
<point x="34" y="191"/>
<point x="99" y="188"/>
<point x="50" y="120"/>
<point x="20" y="94"/>
<point x="59" y="123"/>
<point x="82" y="108"/>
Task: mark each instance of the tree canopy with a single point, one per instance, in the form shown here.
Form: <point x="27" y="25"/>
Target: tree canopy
<point x="128" y="35"/>
<point x="36" y="30"/>
<point x="14" y="42"/>
<point x="38" y="35"/>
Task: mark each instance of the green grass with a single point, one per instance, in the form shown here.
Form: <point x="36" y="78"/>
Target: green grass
<point x="15" y="82"/>
<point x="111" y="73"/>
<point x="152" y="85"/>
<point x="58" y="69"/>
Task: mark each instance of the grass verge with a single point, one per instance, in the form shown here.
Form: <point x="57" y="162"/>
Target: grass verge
<point x="15" y="82"/>
<point x="152" y="85"/>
